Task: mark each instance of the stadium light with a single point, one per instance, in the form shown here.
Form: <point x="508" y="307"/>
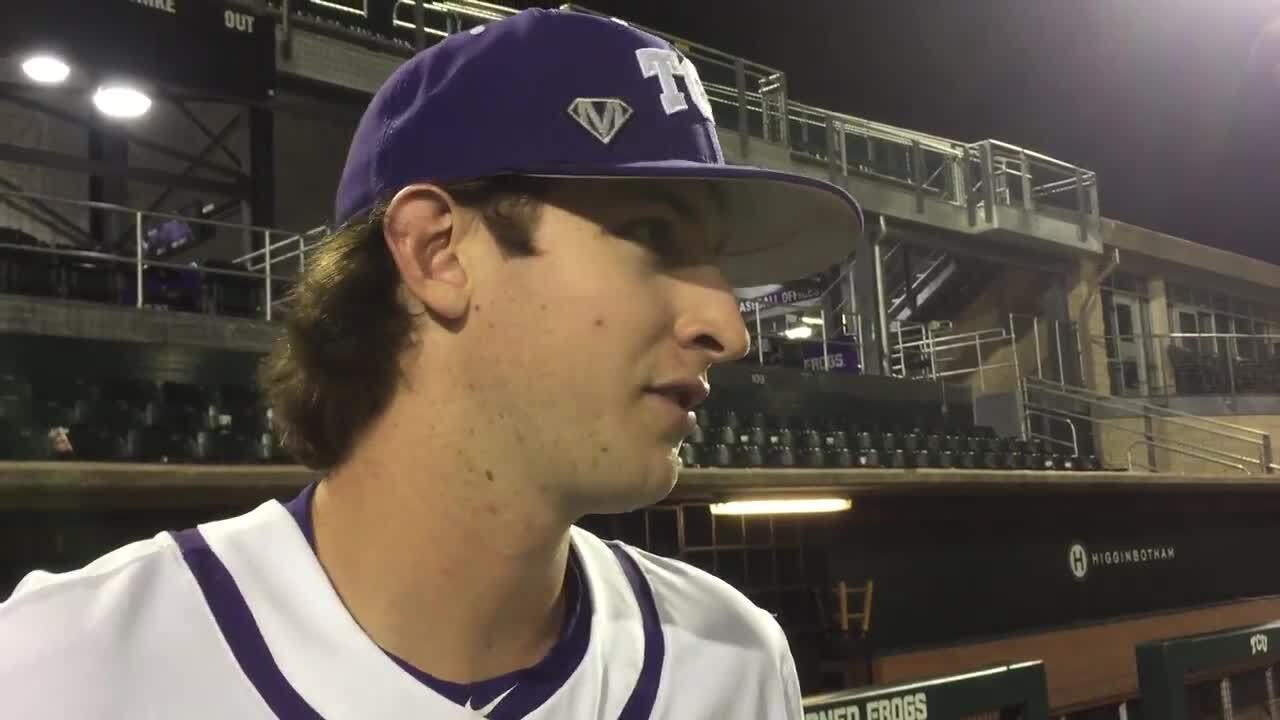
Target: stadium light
<point x="121" y="101"/>
<point x="782" y="506"/>
<point x="800" y="332"/>
<point x="46" y="69"/>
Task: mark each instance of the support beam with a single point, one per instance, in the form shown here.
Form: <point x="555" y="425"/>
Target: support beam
<point x="215" y="142"/>
<point x="12" y="93"/>
<point x="110" y="150"/>
<point x="262" y="166"/>
<point x="870" y="300"/>
<point x="220" y="138"/>
<point x="41" y="219"/>
<point x="72" y="163"/>
<point x="45" y="214"/>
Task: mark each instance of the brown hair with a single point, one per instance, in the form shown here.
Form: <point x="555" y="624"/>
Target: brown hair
<point x="336" y="367"/>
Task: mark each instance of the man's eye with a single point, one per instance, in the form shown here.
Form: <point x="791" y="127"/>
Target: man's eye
<point x="657" y="234"/>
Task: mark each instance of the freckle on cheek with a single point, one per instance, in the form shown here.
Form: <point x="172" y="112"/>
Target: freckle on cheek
<point x="599" y="322"/>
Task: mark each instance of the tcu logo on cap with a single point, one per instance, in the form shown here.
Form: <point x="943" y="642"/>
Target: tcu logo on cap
<point x="604" y="117"/>
<point x="666" y="65"/>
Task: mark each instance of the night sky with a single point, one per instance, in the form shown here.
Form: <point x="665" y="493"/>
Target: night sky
<point x="1175" y="103"/>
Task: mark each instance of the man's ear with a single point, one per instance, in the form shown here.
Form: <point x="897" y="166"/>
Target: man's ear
<point x="422" y="229"/>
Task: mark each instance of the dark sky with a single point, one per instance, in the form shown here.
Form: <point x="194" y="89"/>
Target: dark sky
<point x="1175" y="103"/>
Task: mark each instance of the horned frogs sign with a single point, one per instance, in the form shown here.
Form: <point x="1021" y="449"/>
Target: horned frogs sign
<point x="910" y="706"/>
<point x="1020" y="687"/>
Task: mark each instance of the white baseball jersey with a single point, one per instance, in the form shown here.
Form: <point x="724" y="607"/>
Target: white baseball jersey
<point x="237" y="619"/>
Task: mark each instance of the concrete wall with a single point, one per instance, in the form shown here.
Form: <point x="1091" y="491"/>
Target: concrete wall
<point x="311" y="141"/>
<point x="1118" y="434"/>
<point x="1010" y="290"/>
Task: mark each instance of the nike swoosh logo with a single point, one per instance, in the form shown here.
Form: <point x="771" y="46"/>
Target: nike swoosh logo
<point x="488" y="708"/>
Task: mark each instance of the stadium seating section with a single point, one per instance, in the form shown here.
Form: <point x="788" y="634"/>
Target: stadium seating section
<point x="139" y="421"/>
<point x="733" y="438"/>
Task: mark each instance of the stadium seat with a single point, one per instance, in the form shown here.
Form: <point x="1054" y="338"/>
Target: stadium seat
<point x="62" y="402"/>
<point x="146" y="444"/>
<point x="93" y="280"/>
<point x="232" y="295"/>
<point x="15" y="398"/>
<point x="94" y="442"/>
<point x="21" y="441"/>
<point x="24" y="271"/>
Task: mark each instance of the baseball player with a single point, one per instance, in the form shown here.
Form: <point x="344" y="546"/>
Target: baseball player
<point x="538" y="240"/>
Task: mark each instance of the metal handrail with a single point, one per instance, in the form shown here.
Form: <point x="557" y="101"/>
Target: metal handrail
<point x="683" y="43"/>
<point x="138" y="258"/>
<point x="1140" y="408"/>
<point x="96" y="205"/>
<point x="1256" y="439"/>
<point x="305" y="242"/>
<point x="1028" y="406"/>
<point x="1031" y="154"/>
<point x="1180" y="451"/>
<point x="1075" y="437"/>
<point x="779" y="112"/>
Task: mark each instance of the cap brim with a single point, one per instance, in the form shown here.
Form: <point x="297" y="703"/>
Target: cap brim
<point x="779" y="226"/>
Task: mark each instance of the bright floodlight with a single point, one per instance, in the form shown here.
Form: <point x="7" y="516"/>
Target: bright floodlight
<point x="782" y="506"/>
<point x="46" y="69"/>
<point x="121" y="101"/>
<point x="799" y="332"/>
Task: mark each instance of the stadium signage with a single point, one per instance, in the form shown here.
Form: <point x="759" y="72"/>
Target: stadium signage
<point x="161" y="5"/>
<point x="1082" y="561"/>
<point x="1000" y="690"/>
<point x="911" y="706"/>
<point x="209" y="48"/>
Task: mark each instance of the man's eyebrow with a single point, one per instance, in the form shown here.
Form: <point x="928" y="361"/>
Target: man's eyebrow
<point x="666" y="195"/>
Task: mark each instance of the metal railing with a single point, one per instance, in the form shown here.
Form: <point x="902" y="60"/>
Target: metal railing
<point x="1153" y="445"/>
<point x="1113" y="422"/>
<point x="753" y="99"/>
<point x="977" y="176"/>
<point x="933" y="350"/>
<point x="1029" y="433"/>
<point x="933" y="356"/>
<point x="142" y="246"/>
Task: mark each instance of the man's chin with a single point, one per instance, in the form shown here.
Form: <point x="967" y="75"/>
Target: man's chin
<point x="636" y="492"/>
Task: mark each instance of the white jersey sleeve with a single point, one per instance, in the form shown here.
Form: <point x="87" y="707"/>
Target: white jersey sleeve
<point x="118" y="638"/>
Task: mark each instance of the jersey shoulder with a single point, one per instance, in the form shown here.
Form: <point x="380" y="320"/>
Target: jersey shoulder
<point x="81" y="629"/>
<point x="702" y="604"/>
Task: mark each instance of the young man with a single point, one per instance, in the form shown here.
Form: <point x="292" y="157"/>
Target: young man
<point x="534" y="272"/>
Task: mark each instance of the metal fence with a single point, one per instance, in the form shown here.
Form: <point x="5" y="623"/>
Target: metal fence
<point x="1025" y="346"/>
<point x="1138" y="435"/>
<point x="153" y="259"/>
<point x="754" y="100"/>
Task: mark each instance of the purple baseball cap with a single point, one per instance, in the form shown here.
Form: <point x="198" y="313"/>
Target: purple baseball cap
<point x="561" y="94"/>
